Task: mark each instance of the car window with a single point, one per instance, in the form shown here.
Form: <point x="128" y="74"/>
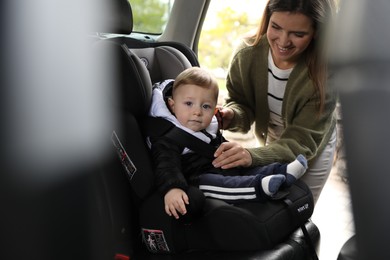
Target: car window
<point x="150" y="16"/>
<point x="225" y="24"/>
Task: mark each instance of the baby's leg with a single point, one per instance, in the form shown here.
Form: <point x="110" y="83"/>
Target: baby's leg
<point x="271" y="184"/>
<point x="296" y="169"/>
<point x="239" y="188"/>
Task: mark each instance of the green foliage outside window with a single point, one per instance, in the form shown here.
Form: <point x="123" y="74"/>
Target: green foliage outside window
<point x="219" y="36"/>
<point x="218" y="42"/>
<point x="151" y="19"/>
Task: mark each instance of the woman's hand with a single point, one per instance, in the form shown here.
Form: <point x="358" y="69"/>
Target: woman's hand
<point x="224" y="116"/>
<point x="230" y="155"/>
<point x="175" y="202"/>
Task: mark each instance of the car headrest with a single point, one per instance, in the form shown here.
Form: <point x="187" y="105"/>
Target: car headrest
<point x="113" y="16"/>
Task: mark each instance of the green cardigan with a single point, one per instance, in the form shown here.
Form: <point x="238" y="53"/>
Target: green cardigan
<point x="306" y="132"/>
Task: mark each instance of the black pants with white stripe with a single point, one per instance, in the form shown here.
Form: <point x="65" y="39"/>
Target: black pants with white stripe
<point x="234" y="189"/>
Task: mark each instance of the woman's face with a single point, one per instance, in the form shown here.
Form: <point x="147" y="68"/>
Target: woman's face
<point x="289" y="34"/>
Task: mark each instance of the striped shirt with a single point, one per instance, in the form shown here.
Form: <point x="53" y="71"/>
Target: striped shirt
<point x="277" y="80"/>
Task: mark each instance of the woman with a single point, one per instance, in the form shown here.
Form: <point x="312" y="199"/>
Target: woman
<point x="278" y="80"/>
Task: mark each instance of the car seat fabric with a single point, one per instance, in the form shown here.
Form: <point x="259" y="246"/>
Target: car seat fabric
<point x="162" y="62"/>
<point x="138" y="44"/>
<point x="349" y="251"/>
<point x="117" y="192"/>
<point x="251" y="225"/>
<point x="294" y="248"/>
<point x="132" y="101"/>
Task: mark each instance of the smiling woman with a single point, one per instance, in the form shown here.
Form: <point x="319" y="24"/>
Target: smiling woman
<point x="289" y="34"/>
<point x="284" y="91"/>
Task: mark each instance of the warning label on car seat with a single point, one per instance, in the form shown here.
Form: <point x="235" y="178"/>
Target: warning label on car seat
<point x="155" y="240"/>
<point x="123" y="156"/>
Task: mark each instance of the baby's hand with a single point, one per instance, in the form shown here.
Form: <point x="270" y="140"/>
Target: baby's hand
<point x="175" y="202"/>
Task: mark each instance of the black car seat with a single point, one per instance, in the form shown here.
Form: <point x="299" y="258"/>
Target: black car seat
<point x="124" y="186"/>
<point x="349" y="250"/>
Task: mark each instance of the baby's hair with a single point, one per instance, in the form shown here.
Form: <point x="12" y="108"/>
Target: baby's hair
<point x="196" y="76"/>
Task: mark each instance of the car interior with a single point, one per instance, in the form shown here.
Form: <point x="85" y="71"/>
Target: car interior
<point x="73" y="192"/>
<point x="140" y="64"/>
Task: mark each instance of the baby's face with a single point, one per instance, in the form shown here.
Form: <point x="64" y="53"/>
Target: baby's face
<point x="193" y="106"/>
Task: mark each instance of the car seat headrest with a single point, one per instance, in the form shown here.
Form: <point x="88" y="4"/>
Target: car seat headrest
<point x="162" y="62"/>
<point x="113" y="16"/>
<point x="129" y="77"/>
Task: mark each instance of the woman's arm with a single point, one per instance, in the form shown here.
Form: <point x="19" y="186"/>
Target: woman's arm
<point x="306" y="131"/>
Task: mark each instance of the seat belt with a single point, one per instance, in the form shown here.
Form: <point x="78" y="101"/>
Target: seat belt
<point x="306" y="234"/>
<point x="160" y="127"/>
